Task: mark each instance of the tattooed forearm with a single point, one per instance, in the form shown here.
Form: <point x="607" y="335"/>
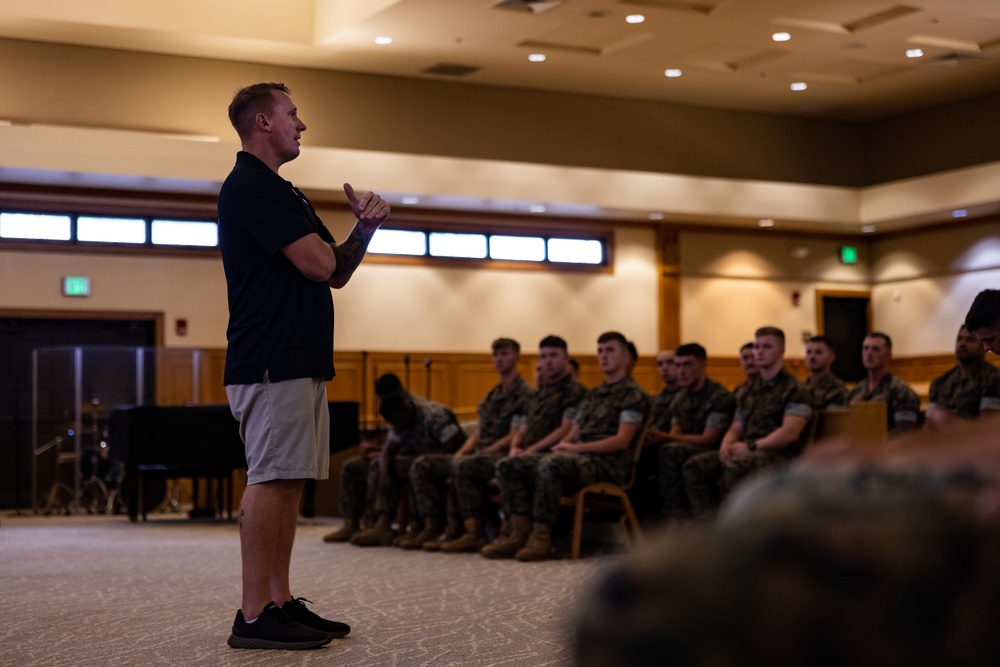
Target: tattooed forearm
<point x="350" y="253"/>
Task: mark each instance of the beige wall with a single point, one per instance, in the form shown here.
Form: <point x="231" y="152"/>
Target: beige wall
<point x="926" y="280"/>
<point x="385" y="307"/>
<point x="734" y="282"/>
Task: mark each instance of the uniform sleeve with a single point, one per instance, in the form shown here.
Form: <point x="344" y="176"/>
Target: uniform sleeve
<point x="799" y="402"/>
<point x="635" y="408"/>
<point x="990" y="400"/>
<point x="721" y="413"/>
<point x="906" y="407"/>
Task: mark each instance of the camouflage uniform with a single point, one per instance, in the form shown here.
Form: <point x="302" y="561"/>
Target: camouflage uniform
<point x="431" y="474"/>
<point x="693" y="412"/>
<point x="553" y="475"/>
<point x="828" y="391"/>
<point x="967" y="394"/>
<point x="434" y="427"/>
<point x="544" y="413"/>
<point x="661" y="410"/>
<point x="902" y="405"/>
<point x="761" y="408"/>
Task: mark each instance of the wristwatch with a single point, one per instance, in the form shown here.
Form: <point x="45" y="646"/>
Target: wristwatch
<point x="752" y="445"/>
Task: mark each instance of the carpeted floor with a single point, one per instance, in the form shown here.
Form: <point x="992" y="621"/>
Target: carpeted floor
<point x="82" y="590"/>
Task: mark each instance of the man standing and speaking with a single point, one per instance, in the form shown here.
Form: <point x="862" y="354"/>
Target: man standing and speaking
<point x="280" y="262"/>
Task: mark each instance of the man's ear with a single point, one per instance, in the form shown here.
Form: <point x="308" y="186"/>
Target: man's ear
<point x="262" y="121"/>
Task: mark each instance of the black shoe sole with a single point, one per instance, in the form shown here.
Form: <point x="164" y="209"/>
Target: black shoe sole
<point x="254" y="642"/>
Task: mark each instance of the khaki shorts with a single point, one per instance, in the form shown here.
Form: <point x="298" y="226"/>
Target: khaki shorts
<point x="285" y="427"/>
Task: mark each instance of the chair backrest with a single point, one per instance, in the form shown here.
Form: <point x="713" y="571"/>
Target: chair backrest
<point x="636" y="448"/>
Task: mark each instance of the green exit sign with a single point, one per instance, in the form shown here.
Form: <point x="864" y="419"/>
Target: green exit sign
<point x="75" y="286"/>
<point x="848" y="254"/>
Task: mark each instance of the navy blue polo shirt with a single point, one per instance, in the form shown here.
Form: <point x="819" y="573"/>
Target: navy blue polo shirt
<point x="279" y="320"/>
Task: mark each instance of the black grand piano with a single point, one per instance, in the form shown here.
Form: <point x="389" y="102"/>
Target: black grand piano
<point x="196" y="441"/>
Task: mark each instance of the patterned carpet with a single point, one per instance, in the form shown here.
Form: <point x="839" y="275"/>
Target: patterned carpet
<point x="85" y="590"/>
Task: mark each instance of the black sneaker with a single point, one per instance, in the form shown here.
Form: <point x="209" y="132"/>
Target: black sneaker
<point x="296" y="609"/>
<point x="274" y="629"/>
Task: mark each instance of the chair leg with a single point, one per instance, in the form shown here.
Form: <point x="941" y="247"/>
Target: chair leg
<point x="578" y="525"/>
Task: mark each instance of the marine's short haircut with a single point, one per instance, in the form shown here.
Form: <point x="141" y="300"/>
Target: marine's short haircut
<point x="821" y="339"/>
<point x="883" y="336"/>
<point x="985" y="311"/>
<point x="250" y="101"/>
<point x="633" y="352"/>
<point x="388" y="384"/>
<point x="770" y="331"/>
<point x="608" y="336"/>
<point x="391" y="405"/>
<point x="554" y="341"/>
<point x="746" y="346"/>
<point x="506" y="344"/>
<point x="692" y="350"/>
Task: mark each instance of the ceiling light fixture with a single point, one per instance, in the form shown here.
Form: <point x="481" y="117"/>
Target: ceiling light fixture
<point x="537" y="57"/>
<point x="781" y="36"/>
<point x="914" y="53"/>
<point x="765" y="222"/>
<point x="799" y="85"/>
<point x="672" y="73"/>
<point x="537" y="208"/>
<point x="656" y="216"/>
<point x="635" y="18"/>
<point x="382" y="41"/>
<point x="960" y="213"/>
<point x="410" y="201"/>
<point x="867" y="229"/>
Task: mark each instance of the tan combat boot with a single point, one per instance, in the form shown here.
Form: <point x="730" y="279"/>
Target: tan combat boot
<point x="379" y="535"/>
<point x="344" y="533"/>
<point x="506" y="547"/>
<point x="539" y="546"/>
<point x="432" y="530"/>
<point x="451" y="532"/>
<point x="473" y="539"/>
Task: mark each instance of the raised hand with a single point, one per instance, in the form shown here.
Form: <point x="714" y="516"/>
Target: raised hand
<point x="370" y="209"/>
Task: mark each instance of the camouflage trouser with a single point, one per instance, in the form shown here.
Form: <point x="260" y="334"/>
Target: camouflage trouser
<point x="356" y="494"/>
<point x="361" y="488"/>
<point x="553" y="475"/>
<point x="430" y="484"/>
<point x="471" y="476"/>
<point x="561" y="474"/>
<point x="738" y="469"/>
<point x="707" y="480"/>
<point x="516" y="475"/>
<point x="672" y="457"/>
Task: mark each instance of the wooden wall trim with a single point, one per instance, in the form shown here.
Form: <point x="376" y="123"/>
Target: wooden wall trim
<point x="460" y="379"/>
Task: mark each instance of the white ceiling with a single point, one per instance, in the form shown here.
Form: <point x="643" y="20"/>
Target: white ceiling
<point x="850" y="53"/>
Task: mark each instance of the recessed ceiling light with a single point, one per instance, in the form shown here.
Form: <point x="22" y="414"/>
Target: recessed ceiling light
<point x="765" y="222"/>
<point x="867" y="229"/>
<point x="959" y="213"/>
<point x="781" y="36"/>
<point x="382" y="41"/>
<point x="799" y="85"/>
<point x="410" y="201"/>
<point x="914" y="53"/>
<point x="672" y="73"/>
<point x="537" y="57"/>
<point x="635" y="18"/>
<point x="537" y="208"/>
